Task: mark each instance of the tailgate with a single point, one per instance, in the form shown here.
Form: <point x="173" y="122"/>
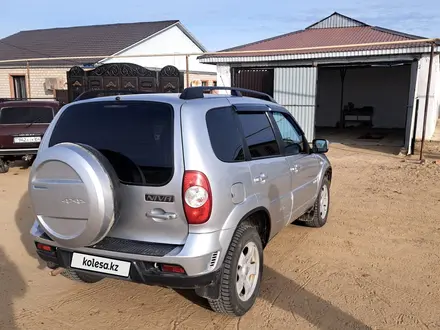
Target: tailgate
<point x="22" y="127"/>
<point x="21" y="136"/>
<point x="142" y="141"/>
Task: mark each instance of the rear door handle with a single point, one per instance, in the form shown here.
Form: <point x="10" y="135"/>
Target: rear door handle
<point x="261" y="178"/>
<point x="161" y="214"/>
<point x="295" y="168"/>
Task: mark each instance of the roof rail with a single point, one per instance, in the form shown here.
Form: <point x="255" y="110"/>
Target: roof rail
<point x="12" y="99"/>
<point x="98" y="93"/>
<point x="198" y="92"/>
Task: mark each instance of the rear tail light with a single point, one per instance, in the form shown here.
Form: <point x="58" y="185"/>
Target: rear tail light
<point x="173" y="269"/>
<point x="197" y="197"/>
<point x="44" y="247"/>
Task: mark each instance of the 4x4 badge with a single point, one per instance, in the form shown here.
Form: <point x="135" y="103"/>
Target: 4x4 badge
<point x="73" y="200"/>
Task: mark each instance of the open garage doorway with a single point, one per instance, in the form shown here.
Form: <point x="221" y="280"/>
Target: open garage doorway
<point x="364" y="104"/>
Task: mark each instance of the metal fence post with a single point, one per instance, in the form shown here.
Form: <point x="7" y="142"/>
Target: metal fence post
<point x="28" y="73"/>
<point x="428" y="86"/>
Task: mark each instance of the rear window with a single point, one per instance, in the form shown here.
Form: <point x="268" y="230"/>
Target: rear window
<point x="25" y="115"/>
<point x="135" y="136"/>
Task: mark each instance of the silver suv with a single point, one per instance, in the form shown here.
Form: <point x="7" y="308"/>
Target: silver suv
<point x="177" y="190"/>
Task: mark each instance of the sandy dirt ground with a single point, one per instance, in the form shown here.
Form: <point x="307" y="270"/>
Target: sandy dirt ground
<point x="375" y="265"/>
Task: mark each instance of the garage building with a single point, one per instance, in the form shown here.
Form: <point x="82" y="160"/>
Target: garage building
<point x="353" y="95"/>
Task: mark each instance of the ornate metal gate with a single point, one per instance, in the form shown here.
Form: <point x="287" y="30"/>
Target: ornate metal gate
<point x="124" y="76"/>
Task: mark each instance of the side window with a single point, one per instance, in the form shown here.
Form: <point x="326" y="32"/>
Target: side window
<point x="19" y="86"/>
<point x="224" y="135"/>
<point x="293" y="141"/>
<point x="259" y="135"/>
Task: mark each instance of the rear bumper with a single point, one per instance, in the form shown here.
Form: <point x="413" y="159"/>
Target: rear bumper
<point x="140" y="272"/>
<point x="202" y="253"/>
<point x="18" y="152"/>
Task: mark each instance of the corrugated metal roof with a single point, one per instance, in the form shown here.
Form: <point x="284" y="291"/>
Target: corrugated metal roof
<point x="322" y="57"/>
<point x="326" y="33"/>
<point x="326" y="37"/>
<point x="336" y="20"/>
<point x="94" y="40"/>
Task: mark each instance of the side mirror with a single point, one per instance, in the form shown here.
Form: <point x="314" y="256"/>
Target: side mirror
<point x="320" y="146"/>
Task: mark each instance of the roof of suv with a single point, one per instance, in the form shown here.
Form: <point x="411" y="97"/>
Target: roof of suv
<point x="8" y="103"/>
<point x="169" y="98"/>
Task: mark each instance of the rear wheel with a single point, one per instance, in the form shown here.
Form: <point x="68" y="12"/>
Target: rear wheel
<point x="4" y="167"/>
<point x="29" y="163"/>
<point x="241" y="273"/>
<point x="80" y="277"/>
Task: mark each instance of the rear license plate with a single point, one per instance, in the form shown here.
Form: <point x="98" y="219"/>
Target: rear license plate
<point x="100" y="265"/>
<point x="27" y="139"/>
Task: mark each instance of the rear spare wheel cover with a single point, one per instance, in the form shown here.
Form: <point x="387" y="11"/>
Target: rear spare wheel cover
<point x="74" y="194"/>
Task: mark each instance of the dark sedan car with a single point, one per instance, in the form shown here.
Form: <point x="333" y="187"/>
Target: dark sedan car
<point x="22" y="125"/>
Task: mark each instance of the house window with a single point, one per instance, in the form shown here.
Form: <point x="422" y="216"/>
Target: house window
<point x="19" y="87"/>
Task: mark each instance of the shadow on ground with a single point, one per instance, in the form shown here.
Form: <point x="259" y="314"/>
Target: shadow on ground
<point x="21" y="164"/>
<point x="12" y="286"/>
<point x="24" y="219"/>
<point x="194" y="298"/>
<point x="390" y="143"/>
<point x="432" y="155"/>
<point x="367" y="150"/>
<point x="293" y="298"/>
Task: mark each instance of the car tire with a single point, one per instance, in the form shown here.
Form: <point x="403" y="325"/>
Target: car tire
<point x="4" y="167"/>
<point x="234" y="273"/>
<point x="80" y="277"/>
<point x="29" y="163"/>
<point x="317" y="217"/>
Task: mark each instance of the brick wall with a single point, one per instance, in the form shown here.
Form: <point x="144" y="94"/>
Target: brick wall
<point x="37" y="80"/>
<point x="195" y="78"/>
<point x="39" y="75"/>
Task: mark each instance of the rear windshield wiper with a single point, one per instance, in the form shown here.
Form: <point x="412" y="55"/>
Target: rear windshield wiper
<point x="33" y="122"/>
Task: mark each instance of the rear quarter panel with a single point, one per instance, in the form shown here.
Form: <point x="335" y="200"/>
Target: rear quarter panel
<point x="199" y="155"/>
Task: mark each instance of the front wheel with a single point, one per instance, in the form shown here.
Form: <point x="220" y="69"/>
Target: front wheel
<point x="241" y="273"/>
<point x="317" y="217"/>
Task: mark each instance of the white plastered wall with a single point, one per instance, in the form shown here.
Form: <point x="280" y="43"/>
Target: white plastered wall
<point x="172" y="40"/>
<point x="433" y="99"/>
<point x="224" y="76"/>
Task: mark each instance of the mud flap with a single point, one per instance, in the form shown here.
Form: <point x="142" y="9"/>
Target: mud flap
<point x="211" y="291"/>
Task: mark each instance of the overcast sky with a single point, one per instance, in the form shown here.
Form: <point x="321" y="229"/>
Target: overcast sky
<point x="221" y="24"/>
